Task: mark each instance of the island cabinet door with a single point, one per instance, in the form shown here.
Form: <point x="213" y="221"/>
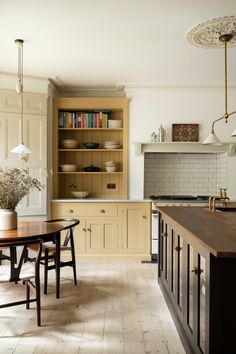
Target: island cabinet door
<point x="177" y="269"/>
<point x="197" y="299"/>
<point x="165" y="252"/>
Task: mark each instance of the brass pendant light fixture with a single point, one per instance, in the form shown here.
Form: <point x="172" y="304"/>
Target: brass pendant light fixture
<point x="21" y="149"/>
<point x="216" y="33"/>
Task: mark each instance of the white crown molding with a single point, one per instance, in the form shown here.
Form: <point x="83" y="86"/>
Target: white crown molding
<point x="173" y="86"/>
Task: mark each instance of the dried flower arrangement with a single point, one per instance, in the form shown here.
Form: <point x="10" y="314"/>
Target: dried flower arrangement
<point x="15" y="184"/>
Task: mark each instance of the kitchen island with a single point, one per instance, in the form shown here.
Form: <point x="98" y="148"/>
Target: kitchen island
<point x="196" y="272"/>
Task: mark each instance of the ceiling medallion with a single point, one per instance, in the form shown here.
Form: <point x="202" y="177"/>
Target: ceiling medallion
<point x="207" y="33"/>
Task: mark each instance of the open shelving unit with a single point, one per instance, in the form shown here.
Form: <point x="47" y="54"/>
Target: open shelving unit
<point x="101" y="184"/>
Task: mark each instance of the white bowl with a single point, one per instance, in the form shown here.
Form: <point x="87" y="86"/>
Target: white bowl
<point x="110" y="163"/>
<point x="114" y="123"/>
<point x="70" y="144"/>
<point x="111" y="168"/>
<point x="69" y="168"/>
<point x="79" y="194"/>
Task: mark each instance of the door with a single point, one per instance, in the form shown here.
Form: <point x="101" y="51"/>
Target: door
<point x="197" y="294"/>
<point x="101" y="236"/>
<point x="134" y="225"/>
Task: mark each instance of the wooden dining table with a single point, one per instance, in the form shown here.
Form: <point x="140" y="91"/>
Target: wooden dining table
<point x="28" y="230"/>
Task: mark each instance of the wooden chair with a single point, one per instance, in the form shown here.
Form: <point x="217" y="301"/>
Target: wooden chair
<point x="22" y="270"/>
<point x="49" y="249"/>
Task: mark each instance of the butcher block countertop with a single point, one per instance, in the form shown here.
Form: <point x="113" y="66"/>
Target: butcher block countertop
<point x="214" y="230"/>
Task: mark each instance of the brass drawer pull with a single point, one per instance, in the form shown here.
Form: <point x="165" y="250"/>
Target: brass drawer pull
<point x="70" y="211"/>
<point x="102" y="211"/>
<point x="84" y="229"/>
<point x="88" y="229"/>
<point x="164" y="234"/>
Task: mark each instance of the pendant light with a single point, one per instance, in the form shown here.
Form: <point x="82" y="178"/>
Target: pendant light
<point x="216" y="33"/>
<point x="21" y="149"/>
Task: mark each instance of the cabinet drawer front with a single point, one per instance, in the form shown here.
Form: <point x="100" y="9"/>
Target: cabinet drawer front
<point x="84" y="209"/>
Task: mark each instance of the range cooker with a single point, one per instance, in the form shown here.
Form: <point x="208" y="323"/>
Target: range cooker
<point x="179" y="197"/>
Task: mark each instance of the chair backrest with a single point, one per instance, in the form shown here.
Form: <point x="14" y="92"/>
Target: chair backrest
<point x="22" y="256"/>
<point x="69" y="226"/>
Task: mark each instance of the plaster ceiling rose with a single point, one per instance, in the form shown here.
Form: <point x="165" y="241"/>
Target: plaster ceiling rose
<point x="206" y="34"/>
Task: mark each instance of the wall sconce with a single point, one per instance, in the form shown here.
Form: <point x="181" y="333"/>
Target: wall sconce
<point x="216" y="33"/>
<point x="21" y="149"/>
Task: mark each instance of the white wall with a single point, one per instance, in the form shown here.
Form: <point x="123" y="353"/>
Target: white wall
<point x="151" y="107"/>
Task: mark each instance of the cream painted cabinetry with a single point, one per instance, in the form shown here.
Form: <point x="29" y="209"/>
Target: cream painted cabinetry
<point x="109" y="229"/>
<point x="136" y="227"/>
<point x="89" y="120"/>
<point x="35" y="136"/>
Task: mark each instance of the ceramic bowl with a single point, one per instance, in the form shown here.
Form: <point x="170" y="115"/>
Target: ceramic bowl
<point x="70" y="144"/>
<point x="91" y="145"/>
<point x="111" y="168"/>
<point x="69" y="168"/>
<point x="110" y="163"/>
<point x="79" y="194"/>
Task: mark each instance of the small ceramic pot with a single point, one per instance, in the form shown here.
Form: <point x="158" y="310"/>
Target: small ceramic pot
<point x="8" y="219"/>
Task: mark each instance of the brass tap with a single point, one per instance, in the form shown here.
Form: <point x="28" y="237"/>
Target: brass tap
<point x="221" y="197"/>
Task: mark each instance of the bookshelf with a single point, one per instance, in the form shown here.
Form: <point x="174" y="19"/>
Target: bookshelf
<point x="87" y="120"/>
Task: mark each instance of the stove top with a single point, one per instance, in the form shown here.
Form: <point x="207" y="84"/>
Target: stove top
<point x="179" y="197"/>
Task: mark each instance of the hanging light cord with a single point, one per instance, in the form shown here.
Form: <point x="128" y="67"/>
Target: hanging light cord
<point x="225" y="39"/>
<point x="20" y="83"/>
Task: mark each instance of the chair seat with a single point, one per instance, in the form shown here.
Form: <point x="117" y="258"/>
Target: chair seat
<point x="27" y="272"/>
<point x="51" y="247"/>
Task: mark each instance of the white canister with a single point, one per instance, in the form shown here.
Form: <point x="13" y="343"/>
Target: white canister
<point x="8" y="219"/>
<point x="114" y="123"/>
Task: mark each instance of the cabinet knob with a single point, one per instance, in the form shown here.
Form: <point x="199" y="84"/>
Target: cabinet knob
<point x="84" y="229"/>
<point x="88" y="229"/>
<point x="177" y="248"/>
<point x="144" y="217"/>
<point x="164" y="234"/>
<point x="196" y="270"/>
<point x="70" y="211"/>
<point x="102" y="211"/>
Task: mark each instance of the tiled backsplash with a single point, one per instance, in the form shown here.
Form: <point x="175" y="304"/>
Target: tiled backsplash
<point x="184" y="173"/>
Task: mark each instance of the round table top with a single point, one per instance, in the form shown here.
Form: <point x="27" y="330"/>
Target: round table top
<point x="30" y="229"/>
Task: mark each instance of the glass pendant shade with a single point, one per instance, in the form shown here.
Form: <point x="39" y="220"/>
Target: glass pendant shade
<point x="20" y="149"/>
<point x="234" y="133"/>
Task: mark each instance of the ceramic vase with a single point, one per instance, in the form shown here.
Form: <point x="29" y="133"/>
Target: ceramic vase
<point x="8" y="219"/>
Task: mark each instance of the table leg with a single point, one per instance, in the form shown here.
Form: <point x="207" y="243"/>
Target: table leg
<point x="58" y="261"/>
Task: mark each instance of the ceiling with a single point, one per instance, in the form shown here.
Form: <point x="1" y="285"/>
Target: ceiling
<point x="105" y="43"/>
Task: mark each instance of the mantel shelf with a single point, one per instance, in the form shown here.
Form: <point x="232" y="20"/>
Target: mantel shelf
<point x="184" y="147"/>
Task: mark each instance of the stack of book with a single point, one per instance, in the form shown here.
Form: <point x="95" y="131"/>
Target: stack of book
<point x="85" y="119"/>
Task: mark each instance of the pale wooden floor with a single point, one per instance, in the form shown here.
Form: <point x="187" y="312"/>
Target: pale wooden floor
<point x="116" y="308"/>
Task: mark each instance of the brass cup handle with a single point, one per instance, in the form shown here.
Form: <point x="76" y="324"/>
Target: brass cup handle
<point x="102" y="211"/>
<point x="70" y="211"/>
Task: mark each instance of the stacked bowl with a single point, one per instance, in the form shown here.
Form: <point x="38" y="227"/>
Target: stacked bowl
<point x="112" y="144"/>
<point x="110" y="166"/>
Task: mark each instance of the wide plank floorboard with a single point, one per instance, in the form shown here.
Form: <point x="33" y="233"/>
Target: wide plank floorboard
<point x="116" y="308"/>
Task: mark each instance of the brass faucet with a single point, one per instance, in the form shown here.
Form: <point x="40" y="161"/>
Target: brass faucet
<point x="221" y="197"/>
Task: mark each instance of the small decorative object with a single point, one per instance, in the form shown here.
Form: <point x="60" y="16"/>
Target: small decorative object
<point x="161" y="134"/>
<point x="153" y="137"/>
<point x="111" y="168"/>
<point x="185" y="132"/>
<point x="15" y="184"/>
<point x="114" y="123"/>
